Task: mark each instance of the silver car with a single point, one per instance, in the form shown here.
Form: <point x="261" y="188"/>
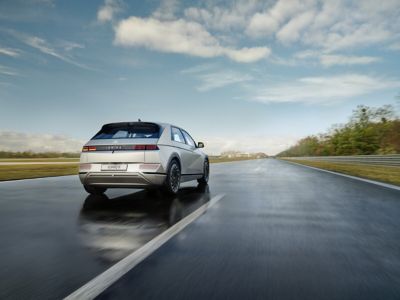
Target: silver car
<point x="141" y="155"/>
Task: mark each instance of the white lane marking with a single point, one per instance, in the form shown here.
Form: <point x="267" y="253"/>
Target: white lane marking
<point x="387" y="185"/>
<point x="100" y="283"/>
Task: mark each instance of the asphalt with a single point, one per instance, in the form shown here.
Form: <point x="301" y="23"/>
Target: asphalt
<point x="55" y="238"/>
<point x="282" y="231"/>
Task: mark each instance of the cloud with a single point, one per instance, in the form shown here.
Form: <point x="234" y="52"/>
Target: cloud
<point x="324" y="89"/>
<point x="291" y="31"/>
<point x="212" y="77"/>
<point x="8" y="71"/>
<point x="43" y="46"/>
<point x="329" y="25"/>
<point x="394" y="46"/>
<point x="220" y="79"/>
<point x="268" y="22"/>
<point x="180" y="36"/>
<point x="166" y="10"/>
<point x="108" y="10"/>
<point x="331" y="60"/>
<point x="19" y="141"/>
<point x="10" y="52"/>
<point x="233" y="15"/>
<point x="69" y="46"/>
<point x="270" y="145"/>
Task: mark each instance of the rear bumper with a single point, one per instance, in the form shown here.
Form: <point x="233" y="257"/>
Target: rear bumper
<point x="123" y="179"/>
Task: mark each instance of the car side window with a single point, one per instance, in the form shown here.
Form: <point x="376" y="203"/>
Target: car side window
<point x="188" y="139"/>
<point x="176" y="135"/>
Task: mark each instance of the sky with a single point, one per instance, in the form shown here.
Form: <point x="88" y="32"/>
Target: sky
<point x="238" y="75"/>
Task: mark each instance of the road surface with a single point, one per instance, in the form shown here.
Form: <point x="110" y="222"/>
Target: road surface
<point x="282" y="231"/>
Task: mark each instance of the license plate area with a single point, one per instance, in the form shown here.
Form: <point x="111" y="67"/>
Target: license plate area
<point x="114" y="167"/>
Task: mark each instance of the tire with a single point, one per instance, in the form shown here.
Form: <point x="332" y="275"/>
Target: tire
<point x="173" y="180"/>
<point x="206" y="173"/>
<point x="94" y="190"/>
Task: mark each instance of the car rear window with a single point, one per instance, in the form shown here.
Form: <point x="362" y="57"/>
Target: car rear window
<point x="128" y="131"/>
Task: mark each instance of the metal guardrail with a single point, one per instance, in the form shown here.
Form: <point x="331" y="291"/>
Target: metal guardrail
<point x="382" y="160"/>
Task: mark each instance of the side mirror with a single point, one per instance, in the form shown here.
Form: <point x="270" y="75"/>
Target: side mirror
<point x="200" y="145"/>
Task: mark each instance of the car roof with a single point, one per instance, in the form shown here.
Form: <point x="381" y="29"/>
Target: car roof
<point x="141" y="122"/>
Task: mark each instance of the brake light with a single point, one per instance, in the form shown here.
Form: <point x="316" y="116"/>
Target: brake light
<point x="139" y="147"/>
<point x="88" y="148"/>
<point x="145" y="147"/>
<point x="119" y="148"/>
<point x="151" y="147"/>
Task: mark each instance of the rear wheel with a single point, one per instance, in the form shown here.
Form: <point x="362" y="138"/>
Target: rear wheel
<point x="206" y="173"/>
<point x="94" y="190"/>
<point x="173" y="179"/>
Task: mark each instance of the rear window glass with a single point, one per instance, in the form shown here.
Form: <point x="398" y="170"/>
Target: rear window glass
<point x="134" y="131"/>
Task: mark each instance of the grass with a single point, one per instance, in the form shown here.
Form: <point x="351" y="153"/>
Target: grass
<point x="25" y="171"/>
<point x="385" y="174"/>
<point x="14" y="172"/>
<point x="59" y="159"/>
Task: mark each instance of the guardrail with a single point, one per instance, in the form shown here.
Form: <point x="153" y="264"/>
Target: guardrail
<point x="382" y="160"/>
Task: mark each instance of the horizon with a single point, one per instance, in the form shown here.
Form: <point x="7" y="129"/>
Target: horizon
<point x="244" y="75"/>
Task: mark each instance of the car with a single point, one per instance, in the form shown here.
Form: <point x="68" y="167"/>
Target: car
<point x="142" y="155"/>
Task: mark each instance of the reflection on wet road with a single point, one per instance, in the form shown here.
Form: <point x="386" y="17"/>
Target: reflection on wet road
<point x="114" y="228"/>
<point x="55" y="238"/>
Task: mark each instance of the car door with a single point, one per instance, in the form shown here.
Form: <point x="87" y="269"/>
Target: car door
<point x="196" y="157"/>
<point x="184" y="150"/>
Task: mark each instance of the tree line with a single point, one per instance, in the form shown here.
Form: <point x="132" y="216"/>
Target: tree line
<point x="368" y="131"/>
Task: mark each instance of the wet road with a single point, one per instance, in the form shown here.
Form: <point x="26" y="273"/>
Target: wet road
<point x="55" y="238"/>
<point x="281" y="232"/>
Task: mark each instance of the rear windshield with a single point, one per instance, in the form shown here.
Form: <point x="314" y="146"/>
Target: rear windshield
<point x="128" y="131"/>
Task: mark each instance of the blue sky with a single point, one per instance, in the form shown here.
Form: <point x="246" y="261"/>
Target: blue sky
<point x="239" y="75"/>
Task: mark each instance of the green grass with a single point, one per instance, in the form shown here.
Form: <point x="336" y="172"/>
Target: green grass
<point x="385" y="174"/>
<point x="14" y="172"/>
<point x="60" y="159"/>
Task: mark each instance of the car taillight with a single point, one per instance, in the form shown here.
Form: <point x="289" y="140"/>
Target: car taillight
<point x="119" y="148"/>
<point x="88" y="148"/>
<point x="151" y="147"/>
<point x="145" y="147"/>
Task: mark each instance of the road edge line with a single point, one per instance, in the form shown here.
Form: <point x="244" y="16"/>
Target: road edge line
<point x="386" y="185"/>
<point x="101" y="282"/>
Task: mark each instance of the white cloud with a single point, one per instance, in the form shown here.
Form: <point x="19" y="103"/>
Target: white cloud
<point x="324" y="90"/>
<point x="9" y="52"/>
<point x="212" y="77"/>
<point x="108" y="10"/>
<point x="291" y="31"/>
<point x="166" y="10"/>
<point x="270" y="145"/>
<point x="394" y="46"/>
<point x="329" y="25"/>
<point x="69" y="46"/>
<point x="220" y="79"/>
<point x="232" y="16"/>
<point x="180" y="36"/>
<point x="43" y="46"/>
<point x="19" y="141"/>
<point x="268" y="22"/>
<point x="331" y="60"/>
<point x="8" y="71"/>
